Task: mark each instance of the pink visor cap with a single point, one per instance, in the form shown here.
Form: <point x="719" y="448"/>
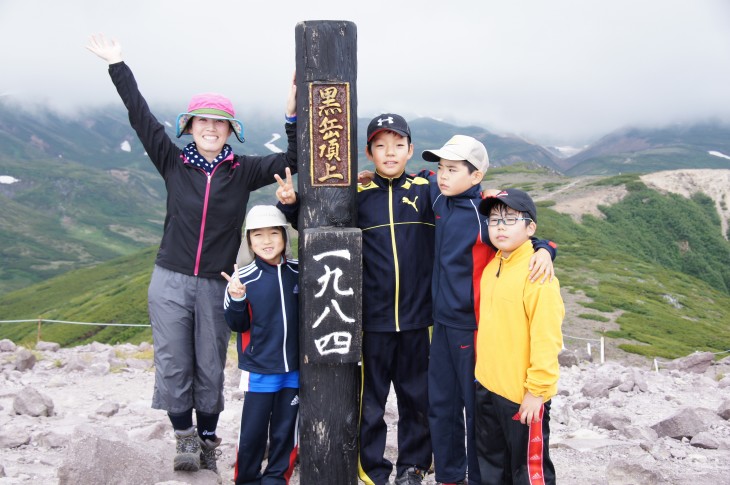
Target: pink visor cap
<point x="210" y="105"/>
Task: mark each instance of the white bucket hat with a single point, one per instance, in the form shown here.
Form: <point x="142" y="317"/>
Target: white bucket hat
<point x="263" y="216"/>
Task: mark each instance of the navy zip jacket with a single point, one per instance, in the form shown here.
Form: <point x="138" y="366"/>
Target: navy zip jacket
<point x="202" y="231"/>
<point x="267" y="319"/>
<point x="463" y="250"/>
<point x="397" y="225"/>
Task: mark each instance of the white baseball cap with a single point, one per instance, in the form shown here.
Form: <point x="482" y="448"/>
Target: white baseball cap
<point x="461" y="147"/>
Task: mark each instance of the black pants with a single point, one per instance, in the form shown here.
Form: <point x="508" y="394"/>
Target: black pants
<point x="503" y="443"/>
<point x="268" y="416"/>
<point x="400" y="358"/>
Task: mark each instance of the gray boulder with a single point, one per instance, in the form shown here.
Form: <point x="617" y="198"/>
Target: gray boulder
<point x="724" y="410"/>
<point x="7" y="345"/>
<point x="705" y="440"/>
<point x="76" y="365"/>
<point x="108" y="409"/>
<point x="600" y="386"/>
<point x="686" y="423"/>
<point x="567" y="358"/>
<point x="610" y="420"/>
<point x="697" y="362"/>
<point x="622" y="471"/>
<point x="640" y="433"/>
<point x="51" y="439"/>
<point x="30" y="402"/>
<point x="640" y="382"/>
<point x="24" y="359"/>
<point x="48" y="346"/>
<point x="13" y="437"/>
<point x="112" y="458"/>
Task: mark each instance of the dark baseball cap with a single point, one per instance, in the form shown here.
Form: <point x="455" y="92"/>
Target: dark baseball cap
<point x="513" y="198"/>
<point x="388" y="122"/>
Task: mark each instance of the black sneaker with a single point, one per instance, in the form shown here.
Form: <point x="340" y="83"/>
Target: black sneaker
<point x="410" y="476"/>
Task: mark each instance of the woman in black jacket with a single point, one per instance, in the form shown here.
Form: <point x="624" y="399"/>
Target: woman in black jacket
<point x="208" y="187"/>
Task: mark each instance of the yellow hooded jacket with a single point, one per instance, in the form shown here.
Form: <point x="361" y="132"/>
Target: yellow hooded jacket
<point x="519" y="335"/>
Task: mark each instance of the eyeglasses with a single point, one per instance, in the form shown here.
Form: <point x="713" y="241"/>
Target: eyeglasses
<point x="507" y="221"/>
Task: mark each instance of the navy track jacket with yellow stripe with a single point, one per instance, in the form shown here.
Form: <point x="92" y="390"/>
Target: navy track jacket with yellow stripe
<point x="398" y="233"/>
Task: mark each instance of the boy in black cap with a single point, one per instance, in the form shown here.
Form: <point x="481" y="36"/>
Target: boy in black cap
<point x="517" y="350"/>
<point x="398" y="232"/>
<point x="397" y="223"/>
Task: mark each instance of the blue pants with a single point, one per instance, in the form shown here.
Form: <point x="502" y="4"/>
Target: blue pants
<point x="272" y="417"/>
<point x="450" y="398"/>
<point x="400" y="358"/>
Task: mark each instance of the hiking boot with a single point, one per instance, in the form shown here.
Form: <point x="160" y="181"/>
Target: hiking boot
<point x="187" y="458"/>
<point x="410" y="476"/>
<point x="209" y="454"/>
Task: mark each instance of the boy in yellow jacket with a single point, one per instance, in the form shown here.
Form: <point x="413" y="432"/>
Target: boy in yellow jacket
<point x="517" y="350"/>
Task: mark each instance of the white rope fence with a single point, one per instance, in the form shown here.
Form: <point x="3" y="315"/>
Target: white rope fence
<point x="41" y="320"/>
<point x="588" y="341"/>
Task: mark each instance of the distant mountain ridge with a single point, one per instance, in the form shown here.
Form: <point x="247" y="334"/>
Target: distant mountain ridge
<point x="80" y="190"/>
<point x="95" y="137"/>
<point x="651" y="150"/>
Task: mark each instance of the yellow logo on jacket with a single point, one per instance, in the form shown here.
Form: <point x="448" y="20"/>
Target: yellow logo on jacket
<point x="406" y="200"/>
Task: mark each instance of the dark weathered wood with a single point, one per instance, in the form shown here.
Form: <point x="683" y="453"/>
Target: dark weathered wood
<point x="331" y="285"/>
<point x="329" y="383"/>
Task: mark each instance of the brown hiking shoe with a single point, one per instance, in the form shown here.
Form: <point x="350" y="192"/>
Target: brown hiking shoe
<point x="209" y="454"/>
<point x="187" y="458"/>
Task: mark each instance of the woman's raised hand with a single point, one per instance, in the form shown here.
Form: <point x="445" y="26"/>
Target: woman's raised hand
<point x="108" y="49"/>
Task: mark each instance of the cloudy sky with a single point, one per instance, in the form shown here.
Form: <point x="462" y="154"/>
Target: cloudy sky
<point x="557" y="71"/>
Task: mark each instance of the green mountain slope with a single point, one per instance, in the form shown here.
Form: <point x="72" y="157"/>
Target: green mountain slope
<point x="656" y="276"/>
<point x="62" y="215"/>
<point x="86" y="191"/>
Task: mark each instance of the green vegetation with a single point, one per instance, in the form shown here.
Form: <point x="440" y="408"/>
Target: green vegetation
<point x="657" y="259"/>
<point x="617" y="180"/>
<point x="594" y="316"/>
<point x="112" y="292"/>
<point x="515" y="168"/>
<point x="660" y="260"/>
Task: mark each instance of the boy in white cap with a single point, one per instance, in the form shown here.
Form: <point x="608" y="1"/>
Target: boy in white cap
<point x="262" y="306"/>
<point x="462" y="250"/>
<point x="517" y="350"/>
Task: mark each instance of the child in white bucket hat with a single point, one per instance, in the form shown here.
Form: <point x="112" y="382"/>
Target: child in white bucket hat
<point x="262" y="307"/>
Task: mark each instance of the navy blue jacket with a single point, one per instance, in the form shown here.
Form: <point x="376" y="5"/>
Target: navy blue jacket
<point x="397" y="251"/>
<point x="267" y="319"/>
<point x="202" y="231"/>
<point x="463" y="250"/>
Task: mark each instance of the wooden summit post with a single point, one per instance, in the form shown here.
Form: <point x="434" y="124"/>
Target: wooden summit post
<point x="330" y="252"/>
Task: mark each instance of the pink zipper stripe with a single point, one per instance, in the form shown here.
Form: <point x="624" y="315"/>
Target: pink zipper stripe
<point x="202" y="224"/>
<point x="205" y="213"/>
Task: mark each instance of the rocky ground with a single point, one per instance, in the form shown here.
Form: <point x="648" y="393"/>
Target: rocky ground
<point x="83" y="416"/>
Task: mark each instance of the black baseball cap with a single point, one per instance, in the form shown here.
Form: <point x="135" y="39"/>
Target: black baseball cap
<point x="389" y="122"/>
<point x="513" y="198"/>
